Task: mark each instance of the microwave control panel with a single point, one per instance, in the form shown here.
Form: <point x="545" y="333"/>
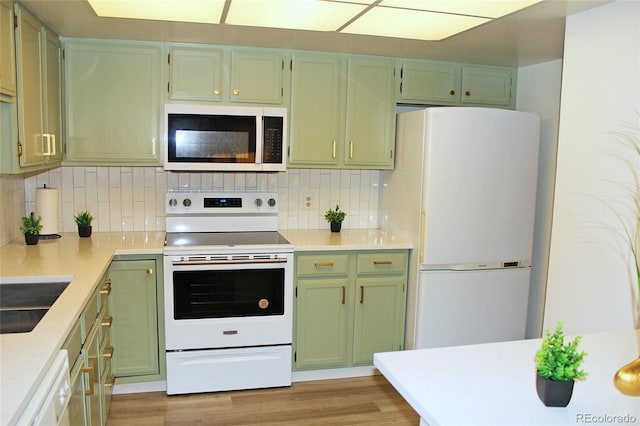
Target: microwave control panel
<point x="272" y="148"/>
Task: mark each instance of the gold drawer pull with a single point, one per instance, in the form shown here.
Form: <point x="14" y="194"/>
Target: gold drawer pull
<point x="108" y="352"/>
<point x="361" y="294"/>
<point x="111" y="380"/>
<point x="217" y="91"/>
<point x="106" y="289"/>
<point x="382" y="262"/>
<point x="89" y="370"/>
<point x="344" y="294"/>
<point x="149" y="271"/>
<point x="106" y="322"/>
<point x="323" y="264"/>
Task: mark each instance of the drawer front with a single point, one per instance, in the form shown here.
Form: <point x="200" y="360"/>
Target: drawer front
<point x="104" y="322"/>
<point x="381" y="263"/>
<point x="103" y="291"/>
<point x="322" y="264"/>
<point x="73" y="344"/>
<point x="88" y="317"/>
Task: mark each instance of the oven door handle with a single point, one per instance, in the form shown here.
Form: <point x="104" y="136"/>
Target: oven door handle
<point x="227" y="261"/>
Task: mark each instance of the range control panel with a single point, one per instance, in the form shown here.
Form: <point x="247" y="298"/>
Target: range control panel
<point x="227" y="203"/>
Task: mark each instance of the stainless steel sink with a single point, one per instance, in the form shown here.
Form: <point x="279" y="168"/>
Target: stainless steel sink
<point x="23" y="302"/>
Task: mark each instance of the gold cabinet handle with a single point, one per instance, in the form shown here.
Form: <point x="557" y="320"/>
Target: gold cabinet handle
<point x="361" y="294"/>
<point x="108" y="352"/>
<point x="150" y="271"/>
<point x="323" y="264"/>
<point x="382" y="262"/>
<point x="107" y="321"/>
<point x="351" y="150"/>
<point x="217" y="91"/>
<point x="333" y="150"/>
<point x="88" y="370"/>
<point x="344" y="294"/>
<point x="105" y="289"/>
<point x="111" y="380"/>
<point x="236" y="91"/>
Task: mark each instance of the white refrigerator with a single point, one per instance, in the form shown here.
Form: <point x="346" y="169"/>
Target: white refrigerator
<point x="463" y="190"/>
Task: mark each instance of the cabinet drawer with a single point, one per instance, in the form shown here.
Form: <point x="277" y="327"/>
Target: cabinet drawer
<point x="73" y="344"/>
<point x="104" y="322"/>
<point x="322" y="264"/>
<point x="376" y="263"/>
<point x="88" y="317"/>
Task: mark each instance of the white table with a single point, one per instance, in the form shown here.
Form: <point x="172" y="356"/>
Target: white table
<point x="494" y="384"/>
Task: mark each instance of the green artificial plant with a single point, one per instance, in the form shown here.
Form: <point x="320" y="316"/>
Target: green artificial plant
<point x="557" y="360"/>
<point x="334" y="216"/>
<point x="31" y="224"/>
<point x="83" y="218"/>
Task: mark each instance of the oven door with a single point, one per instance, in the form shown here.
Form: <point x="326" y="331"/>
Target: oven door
<point x="228" y="301"/>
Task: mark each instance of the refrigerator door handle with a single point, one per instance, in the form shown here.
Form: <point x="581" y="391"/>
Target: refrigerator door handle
<point x="423" y="217"/>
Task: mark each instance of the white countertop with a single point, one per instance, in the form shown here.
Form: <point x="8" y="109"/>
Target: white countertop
<point x="24" y="357"/>
<point x="494" y="384"/>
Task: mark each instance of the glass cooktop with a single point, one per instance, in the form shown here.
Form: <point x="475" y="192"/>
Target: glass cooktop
<point x="229" y="239"/>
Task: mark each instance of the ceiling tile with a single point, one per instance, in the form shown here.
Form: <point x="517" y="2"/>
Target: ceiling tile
<point x="201" y="11"/>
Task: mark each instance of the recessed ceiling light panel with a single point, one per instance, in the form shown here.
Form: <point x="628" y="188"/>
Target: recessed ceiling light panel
<point x="313" y="15"/>
<point x="201" y="11"/>
<point x="412" y="24"/>
<point x="484" y="8"/>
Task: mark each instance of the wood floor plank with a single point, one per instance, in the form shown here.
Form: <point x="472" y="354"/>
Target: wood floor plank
<point x="367" y="400"/>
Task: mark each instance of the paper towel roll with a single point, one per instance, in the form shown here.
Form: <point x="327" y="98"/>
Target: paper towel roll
<point x="47" y="208"/>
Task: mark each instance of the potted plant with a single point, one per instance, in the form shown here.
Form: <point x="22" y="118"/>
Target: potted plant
<point x="558" y="366"/>
<point x="335" y="218"/>
<point x="31" y="227"/>
<point x="83" y="220"/>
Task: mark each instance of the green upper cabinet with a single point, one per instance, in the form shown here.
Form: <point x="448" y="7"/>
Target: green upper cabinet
<point x="113" y="102"/>
<point x="342" y="112"/>
<point x="487" y="85"/>
<point x="448" y="83"/>
<point x="195" y="73"/>
<point x="227" y="75"/>
<point x="370" y="114"/>
<point x="317" y="96"/>
<point x="7" y="52"/>
<point x="434" y="81"/>
<point x="38" y="93"/>
<point x="257" y="76"/>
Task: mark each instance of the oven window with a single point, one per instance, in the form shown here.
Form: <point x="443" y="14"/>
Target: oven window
<point x="231" y="293"/>
<point x="211" y="138"/>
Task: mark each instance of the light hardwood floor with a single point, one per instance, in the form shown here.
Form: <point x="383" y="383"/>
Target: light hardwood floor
<point x="358" y="401"/>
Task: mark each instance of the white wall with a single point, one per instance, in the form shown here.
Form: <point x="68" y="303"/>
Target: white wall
<point x="539" y="91"/>
<point x="590" y="277"/>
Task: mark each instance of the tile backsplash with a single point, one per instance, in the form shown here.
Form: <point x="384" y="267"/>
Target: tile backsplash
<point x="132" y="198"/>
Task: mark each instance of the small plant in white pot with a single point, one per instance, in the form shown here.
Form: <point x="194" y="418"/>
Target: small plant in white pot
<point x="335" y="218"/>
<point x="83" y="220"/>
<point x="558" y="367"/>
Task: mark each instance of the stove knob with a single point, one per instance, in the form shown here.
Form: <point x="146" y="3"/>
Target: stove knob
<point x="173" y="202"/>
<point x="271" y="202"/>
<point x="186" y="202"/>
<point x="258" y="202"/>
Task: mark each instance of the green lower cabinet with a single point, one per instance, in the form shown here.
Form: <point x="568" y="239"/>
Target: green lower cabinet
<point x="349" y="305"/>
<point x="91" y="380"/>
<point x="135" y="304"/>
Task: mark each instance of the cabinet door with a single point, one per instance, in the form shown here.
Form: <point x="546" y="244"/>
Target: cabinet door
<point x="317" y="87"/>
<point x="7" y="51"/>
<point x="379" y="317"/>
<point x="487" y="85"/>
<point x="321" y="335"/>
<point x="428" y="82"/>
<point x="133" y="307"/>
<point x="113" y="102"/>
<point x="53" y="100"/>
<point x="196" y="74"/>
<point x="91" y="379"/>
<point x="256" y="77"/>
<point x="370" y="113"/>
<point x="76" y="403"/>
<point x="30" y="88"/>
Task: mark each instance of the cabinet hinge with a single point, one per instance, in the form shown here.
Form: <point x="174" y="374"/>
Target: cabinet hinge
<point x="169" y="58"/>
<point x="19" y="149"/>
<point x="295" y="356"/>
<point x="282" y="92"/>
<point x="391" y="154"/>
<point x="15" y="21"/>
<point x="289" y="156"/>
<point x="401" y="86"/>
<point x="168" y="87"/>
<point x="291" y="65"/>
<point x="63" y="54"/>
<point x="283" y="64"/>
<point x="296" y="291"/>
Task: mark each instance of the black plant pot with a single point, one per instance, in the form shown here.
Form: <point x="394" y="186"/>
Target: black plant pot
<point x="84" y="231"/>
<point x="554" y="393"/>
<point x="336" y="226"/>
<point x="31" y="239"/>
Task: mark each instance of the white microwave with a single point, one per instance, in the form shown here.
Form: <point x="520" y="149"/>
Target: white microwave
<point x="224" y="138"/>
